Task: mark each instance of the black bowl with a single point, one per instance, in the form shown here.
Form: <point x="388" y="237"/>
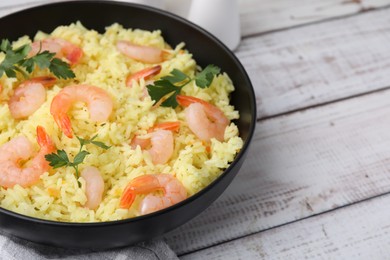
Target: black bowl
<point x="206" y="50"/>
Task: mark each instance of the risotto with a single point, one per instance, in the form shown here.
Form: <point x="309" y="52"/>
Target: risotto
<point x="137" y="149"/>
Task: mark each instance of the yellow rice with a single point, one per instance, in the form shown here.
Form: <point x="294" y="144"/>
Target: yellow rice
<point x="57" y="196"/>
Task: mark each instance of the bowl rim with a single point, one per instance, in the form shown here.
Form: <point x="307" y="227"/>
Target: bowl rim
<point x="196" y="195"/>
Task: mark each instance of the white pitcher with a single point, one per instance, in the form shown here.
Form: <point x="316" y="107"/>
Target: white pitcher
<point x="220" y="17"/>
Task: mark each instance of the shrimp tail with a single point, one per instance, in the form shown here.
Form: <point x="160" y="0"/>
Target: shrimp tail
<point x="185" y="101"/>
<point x="44" y="139"/>
<point x="172" y="126"/>
<point x="127" y="199"/>
<point x="63" y="121"/>
<point x="47" y="146"/>
<point x="141" y="142"/>
<point x="145" y="73"/>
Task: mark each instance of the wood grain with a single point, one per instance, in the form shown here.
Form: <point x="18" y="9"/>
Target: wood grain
<point x="299" y="165"/>
<point x="318" y="63"/>
<point x="259" y="16"/>
<point x="360" y="231"/>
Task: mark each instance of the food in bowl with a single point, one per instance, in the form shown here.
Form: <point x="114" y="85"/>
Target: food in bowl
<point x="100" y="127"/>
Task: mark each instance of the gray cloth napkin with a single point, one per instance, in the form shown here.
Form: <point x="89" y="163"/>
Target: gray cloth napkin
<point x="17" y="249"/>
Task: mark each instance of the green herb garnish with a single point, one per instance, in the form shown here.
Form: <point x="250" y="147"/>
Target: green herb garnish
<point x="92" y="141"/>
<point x="61" y="159"/>
<point x="169" y="87"/>
<point x="17" y="61"/>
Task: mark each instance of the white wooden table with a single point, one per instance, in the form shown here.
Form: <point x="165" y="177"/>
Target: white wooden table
<point x="316" y="183"/>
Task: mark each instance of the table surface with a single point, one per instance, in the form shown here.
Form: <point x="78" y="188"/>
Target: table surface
<point x="316" y="182"/>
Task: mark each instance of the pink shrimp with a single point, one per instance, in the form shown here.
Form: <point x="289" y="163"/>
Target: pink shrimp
<point x="162" y="146"/>
<point x="29" y="96"/>
<point x="18" y="149"/>
<point x="205" y="120"/>
<point x="161" y="142"/>
<point x="94" y="187"/>
<point x="142" y="53"/>
<point x="145" y="74"/>
<point x="174" y="192"/>
<point x="61" y="47"/>
<point x="98" y="100"/>
<point x="145" y="142"/>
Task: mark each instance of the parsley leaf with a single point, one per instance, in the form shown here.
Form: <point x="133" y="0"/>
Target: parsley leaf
<point x="57" y="160"/>
<point x="171" y="100"/>
<point x="79" y="158"/>
<point x="176" y="76"/>
<point x="167" y="88"/>
<point x="61" y="159"/>
<point x="101" y="145"/>
<point x="92" y="141"/>
<point x="164" y="89"/>
<point x="9" y="66"/>
<point x="82" y="141"/>
<point x="206" y="76"/>
<point x="42" y="60"/>
<point x="18" y="61"/>
<point x="5" y="45"/>
<point x="61" y="69"/>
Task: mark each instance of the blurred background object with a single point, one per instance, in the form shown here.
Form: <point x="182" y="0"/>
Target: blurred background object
<point x="219" y="17"/>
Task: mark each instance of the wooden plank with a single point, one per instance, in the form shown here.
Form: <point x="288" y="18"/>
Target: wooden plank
<point x="299" y="165"/>
<point x="360" y="231"/>
<point x="318" y="63"/>
<point x="259" y="16"/>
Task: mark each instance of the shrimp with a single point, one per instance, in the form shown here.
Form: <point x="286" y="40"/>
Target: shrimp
<point x="61" y="47"/>
<point x="19" y="149"/>
<point x="94" y="187"/>
<point x="142" y="53"/>
<point x="29" y="96"/>
<point x="161" y="142"/>
<point x="205" y="120"/>
<point x="98" y="100"/>
<point x="145" y="142"/>
<point x="162" y="146"/>
<point x="145" y="74"/>
<point x="173" y="189"/>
